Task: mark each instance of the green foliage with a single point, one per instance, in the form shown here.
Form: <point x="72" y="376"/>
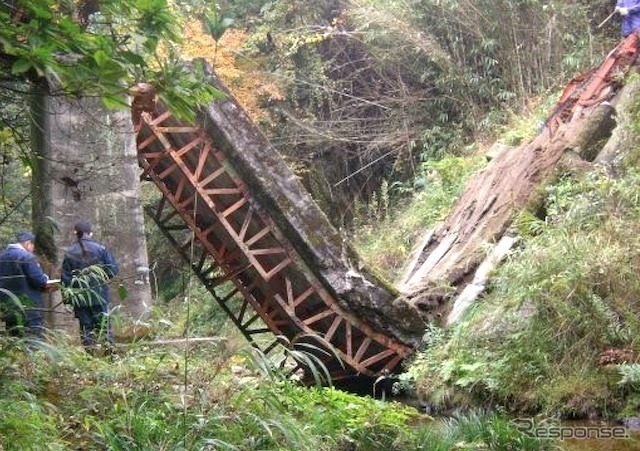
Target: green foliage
<point x="186" y="308"/>
<point x="140" y="422"/>
<point x="569" y="293"/>
<point x="481" y="45"/>
<point x="630" y="375"/>
<point x="102" y="51"/>
<point x="305" y="351"/>
<point x="473" y="430"/>
<point x="155" y="397"/>
<point x="27" y="423"/>
<point x="15" y="200"/>
<point x="12" y="304"/>
<point x="477" y="430"/>
<point x="144" y="400"/>
<point x="518" y="128"/>
<point x="570" y="201"/>
<point x="182" y="88"/>
<point x="216" y="25"/>
<point x="43" y="40"/>
<point x="81" y="290"/>
<point x="364" y="423"/>
<point x="385" y="233"/>
<point x="436" y="142"/>
<point x="371" y="88"/>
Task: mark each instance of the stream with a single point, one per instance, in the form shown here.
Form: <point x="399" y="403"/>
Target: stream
<point x="569" y="435"/>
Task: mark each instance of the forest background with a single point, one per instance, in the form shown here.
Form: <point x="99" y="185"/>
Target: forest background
<point x="382" y="109"/>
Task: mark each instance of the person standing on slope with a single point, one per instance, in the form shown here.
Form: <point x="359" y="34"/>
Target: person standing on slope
<point x="86" y="268"/>
<point x="20" y="274"/>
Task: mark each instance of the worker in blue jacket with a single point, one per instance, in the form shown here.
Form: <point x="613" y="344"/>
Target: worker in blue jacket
<point x="630" y="12"/>
<point x="21" y="274"/>
<point x="87" y="267"/>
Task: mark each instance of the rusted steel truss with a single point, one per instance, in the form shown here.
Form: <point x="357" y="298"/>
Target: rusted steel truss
<point x="595" y="85"/>
<point x="217" y="225"/>
<point x="211" y="276"/>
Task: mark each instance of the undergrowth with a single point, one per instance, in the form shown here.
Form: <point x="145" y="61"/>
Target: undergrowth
<point x="565" y="297"/>
<point x="385" y="233"/>
<point x="148" y="396"/>
<point x="556" y="333"/>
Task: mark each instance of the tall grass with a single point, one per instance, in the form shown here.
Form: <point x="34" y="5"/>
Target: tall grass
<point x="138" y="401"/>
<point x="567" y="294"/>
<point x="385" y="233"/>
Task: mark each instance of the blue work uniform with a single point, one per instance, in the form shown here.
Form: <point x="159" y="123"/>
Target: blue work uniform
<point x="21" y="274"/>
<point x="630" y="22"/>
<point x="90" y="294"/>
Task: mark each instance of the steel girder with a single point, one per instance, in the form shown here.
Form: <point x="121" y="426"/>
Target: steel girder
<point x="220" y="228"/>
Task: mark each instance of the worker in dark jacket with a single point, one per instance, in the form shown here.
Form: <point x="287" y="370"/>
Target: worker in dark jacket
<point x="86" y="269"/>
<point x="630" y="12"/>
<point x="20" y="274"/>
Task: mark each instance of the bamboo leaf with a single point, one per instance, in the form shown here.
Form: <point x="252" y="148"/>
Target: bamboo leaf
<point x="21" y="66"/>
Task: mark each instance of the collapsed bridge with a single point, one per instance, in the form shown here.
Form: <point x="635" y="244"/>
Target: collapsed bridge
<point x="274" y="263"/>
<point x="261" y="246"/>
